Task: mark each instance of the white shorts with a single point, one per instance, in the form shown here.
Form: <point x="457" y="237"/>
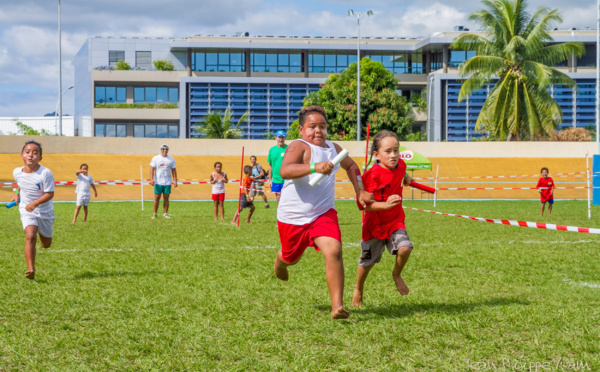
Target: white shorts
<point x="83" y="200"/>
<point x="45" y="225"/>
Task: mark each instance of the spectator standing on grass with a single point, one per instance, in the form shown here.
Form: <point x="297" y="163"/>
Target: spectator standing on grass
<point x="162" y="167"/>
<point x="35" y="190"/>
<point x="84" y="182"/>
<point x="218" y="179"/>
<point x="546" y="188"/>
<point x="259" y="176"/>
<point x="274" y="159"/>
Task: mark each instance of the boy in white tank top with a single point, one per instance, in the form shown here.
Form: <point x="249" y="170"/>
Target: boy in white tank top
<point x="306" y="215"/>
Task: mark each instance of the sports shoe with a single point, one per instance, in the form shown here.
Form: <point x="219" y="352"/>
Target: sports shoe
<point x="166" y="216"/>
<point x="154" y="216"/>
<point x="267" y="206"/>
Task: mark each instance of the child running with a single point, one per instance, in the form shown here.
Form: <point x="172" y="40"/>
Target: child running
<point x="218" y="179"/>
<point x="306" y="215"/>
<point x="246" y="199"/>
<point x="84" y="181"/>
<point x="35" y="187"/>
<point x="383" y="221"/>
<point x="546" y="188"/>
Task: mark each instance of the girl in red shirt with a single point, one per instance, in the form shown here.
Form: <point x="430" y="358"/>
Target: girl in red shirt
<point x="546" y="188"/>
<point x="383" y="222"/>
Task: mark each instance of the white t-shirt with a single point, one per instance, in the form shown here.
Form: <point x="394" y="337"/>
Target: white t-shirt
<point x="301" y="203"/>
<point x="219" y="186"/>
<point x="83" y="185"/>
<point x="163" y="165"/>
<point x="33" y="186"/>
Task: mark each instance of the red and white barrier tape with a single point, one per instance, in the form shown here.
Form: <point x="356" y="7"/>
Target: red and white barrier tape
<point x="507" y="188"/>
<point x="534" y="225"/>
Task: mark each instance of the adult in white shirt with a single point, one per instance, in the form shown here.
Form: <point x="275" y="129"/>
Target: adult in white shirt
<point x="162" y="167"/>
<point x="84" y="182"/>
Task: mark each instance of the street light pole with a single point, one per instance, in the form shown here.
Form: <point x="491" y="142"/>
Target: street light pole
<point x="56" y="110"/>
<point x="59" y="75"/>
<point x="358" y="15"/>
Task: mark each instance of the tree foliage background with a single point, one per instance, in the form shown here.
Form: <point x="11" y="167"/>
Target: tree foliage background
<point x="381" y="106"/>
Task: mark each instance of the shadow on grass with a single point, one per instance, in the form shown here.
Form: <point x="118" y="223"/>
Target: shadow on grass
<point x="91" y="275"/>
<point x="403" y="310"/>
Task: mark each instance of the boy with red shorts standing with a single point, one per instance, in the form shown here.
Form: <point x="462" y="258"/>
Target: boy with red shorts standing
<point x="306" y="215"/>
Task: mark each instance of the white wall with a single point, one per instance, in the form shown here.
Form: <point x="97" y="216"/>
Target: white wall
<point x="49" y="123"/>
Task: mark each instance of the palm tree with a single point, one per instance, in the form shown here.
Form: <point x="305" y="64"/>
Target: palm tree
<point x="215" y="126"/>
<point x="518" y="52"/>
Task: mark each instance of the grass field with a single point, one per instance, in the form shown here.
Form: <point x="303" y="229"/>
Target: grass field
<point x="124" y="292"/>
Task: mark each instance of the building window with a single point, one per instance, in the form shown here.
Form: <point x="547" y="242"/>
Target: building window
<point x="330" y="62"/>
<point x="459" y="56"/>
<point x="110" y="95"/>
<point x="396" y="62"/>
<point x="156" y="131"/>
<point x="222" y="60"/>
<point x="111" y="130"/>
<point x="268" y="60"/>
<point x="115" y="56"/>
<point x="155" y="95"/>
<point x="143" y="59"/>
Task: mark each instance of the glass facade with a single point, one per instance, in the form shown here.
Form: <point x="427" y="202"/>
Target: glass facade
<point x="110" y="95"/>
<point x="155" y="95"/>
<point x="222" y="60"/>
<point x="156" y="131"/>
<point x="330" y="62"/>
<point x="269" y="60"/>
<point x="271" y="107"/>
<point x="111" y="130"/>
<point x="459" y="56"/>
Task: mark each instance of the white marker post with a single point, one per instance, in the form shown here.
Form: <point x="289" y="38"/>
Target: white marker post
<point x="142" y="185"/>
<point x="338" y="158"/>
<point x="437" y="171"/>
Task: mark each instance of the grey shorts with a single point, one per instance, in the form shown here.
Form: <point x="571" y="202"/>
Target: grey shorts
<point x="372" y="250"/>
<point x="257" y="188"/>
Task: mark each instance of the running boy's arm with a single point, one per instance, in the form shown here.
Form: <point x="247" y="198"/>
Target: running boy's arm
<point x="391" y="202"/>
<point x="16" y="196"/>
<point x="407" y="179"/>
<point x="350" y="166"/>
<point x="94" y="187"/>
<point x="296" y="162"/>
<point x="44" y="198"/>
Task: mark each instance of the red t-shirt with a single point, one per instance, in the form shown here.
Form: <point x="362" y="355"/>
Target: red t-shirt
<point x="547" y="192"/>
<point x="246" y="184"/>
<point x="383" y="183"/>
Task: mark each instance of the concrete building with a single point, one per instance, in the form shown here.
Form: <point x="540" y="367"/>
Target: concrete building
<point x="268" y="76"/>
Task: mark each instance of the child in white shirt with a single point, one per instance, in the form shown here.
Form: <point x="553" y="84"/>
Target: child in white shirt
<point x="84" y="181"/>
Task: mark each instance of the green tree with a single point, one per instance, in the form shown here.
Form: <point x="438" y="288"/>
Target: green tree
<point x="24" y="129"/>
<point x="163" y="65"/>
<point x="217" y="126"/>
<point x="517" y="51"/>
<point x="381" y="106"/>
<point x="122" y="65"/>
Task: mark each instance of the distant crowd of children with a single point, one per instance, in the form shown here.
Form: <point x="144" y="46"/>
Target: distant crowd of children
<point x="306" y="215"/>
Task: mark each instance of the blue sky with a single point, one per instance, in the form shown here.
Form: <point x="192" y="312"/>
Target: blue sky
<point x="29" y="36"/>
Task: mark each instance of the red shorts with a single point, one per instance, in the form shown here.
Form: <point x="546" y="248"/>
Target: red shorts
<point x="296" y="238"/>
<point x="219" y="197"/>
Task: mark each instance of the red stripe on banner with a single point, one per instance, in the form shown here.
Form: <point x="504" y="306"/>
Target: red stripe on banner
<point x="522" y="223"/>
<point x="560" y="227"/>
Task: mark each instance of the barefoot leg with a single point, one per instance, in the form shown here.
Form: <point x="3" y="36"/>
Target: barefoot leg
<point x="30" y="241"/>
<point x="77" y="208"/>
<point x="401" y="259"/>
<point x="361" y="276"/>
<point x="280" y="268"/>
<point x="334" y="272"/>
<point x="85" y="212"/>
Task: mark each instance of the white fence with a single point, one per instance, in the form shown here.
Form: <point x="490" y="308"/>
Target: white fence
<point x="48" y="123"/>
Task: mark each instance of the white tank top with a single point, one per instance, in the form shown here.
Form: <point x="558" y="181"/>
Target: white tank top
<point x="219" y="186"/>
<point x="301" y="203"/>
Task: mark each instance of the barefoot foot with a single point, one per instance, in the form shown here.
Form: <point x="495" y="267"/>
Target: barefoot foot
<point x="280" y="268"/>
<point x="339" y="313"/>
<point x="357" y="298"/>
<point x="400" y="285"/>
<point x="30" y="274"/>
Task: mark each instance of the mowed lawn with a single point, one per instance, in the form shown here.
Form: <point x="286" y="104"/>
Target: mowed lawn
<point x="124" y="292"/>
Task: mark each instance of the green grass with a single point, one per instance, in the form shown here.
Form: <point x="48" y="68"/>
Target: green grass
<point x="124" y="292"/>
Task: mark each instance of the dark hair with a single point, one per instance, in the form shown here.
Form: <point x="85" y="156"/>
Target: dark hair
<point x="545" y="169"/>
<point x="252" y="156"/>
<point x="81" y="166"/>
<point x="377" y="141"/>
<point x="308" y="110"/>
<point x="39" y="145"/>
<point x="247" y="169"/>
<point x="214" y="166"/>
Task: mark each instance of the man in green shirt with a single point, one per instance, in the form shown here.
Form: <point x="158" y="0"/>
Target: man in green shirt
<point x="274" y="160"/>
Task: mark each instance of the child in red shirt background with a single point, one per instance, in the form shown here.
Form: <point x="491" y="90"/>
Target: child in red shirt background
<point x="546" y="188"/>
<point x="383" y="221"/>
<point x="246" y="199"/>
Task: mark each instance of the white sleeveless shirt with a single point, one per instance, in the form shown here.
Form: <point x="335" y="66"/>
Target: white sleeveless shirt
<point x="219" y="186"/>
<point x="301" y="203"/>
